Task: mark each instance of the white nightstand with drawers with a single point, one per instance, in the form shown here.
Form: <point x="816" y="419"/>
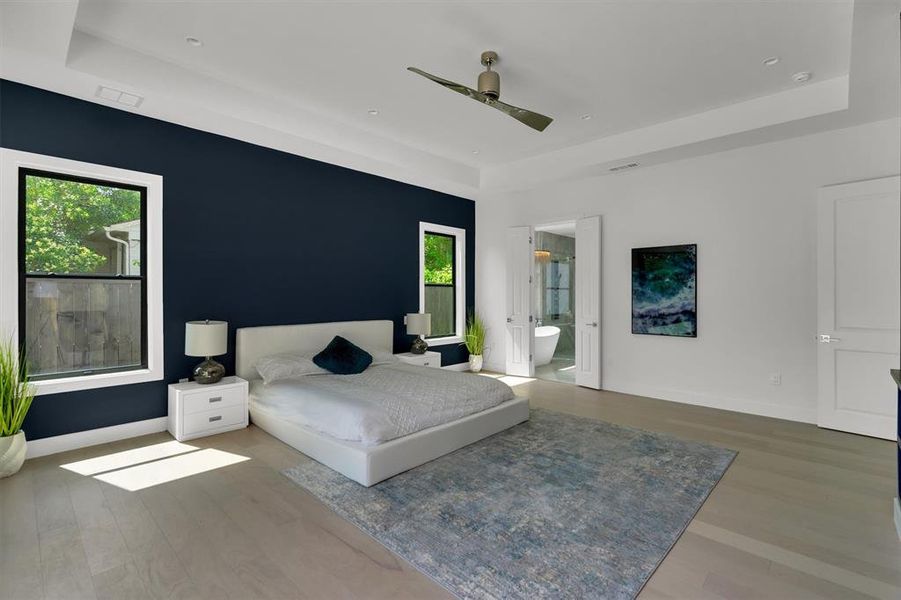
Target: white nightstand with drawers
<point x="197" y="410"/>
<point x="429" y="359"/>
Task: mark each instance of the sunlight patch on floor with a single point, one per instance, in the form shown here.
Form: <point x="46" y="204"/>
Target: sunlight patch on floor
<point x="510" y="380"/>
<point x="514" y="381"/>
<point x="169" y="469"/>
<point x="128" y="458"/>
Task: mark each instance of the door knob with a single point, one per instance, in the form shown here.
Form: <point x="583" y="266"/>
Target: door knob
<point x="827" y="339"/>
<point x="593" y="324"/>
<point x="509" y="319"/>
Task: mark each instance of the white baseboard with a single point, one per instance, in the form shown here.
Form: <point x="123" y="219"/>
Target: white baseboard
<point x="457" y="367"/>
<point x="898" y="516"/>
<point x="494" y="367"/>
<point x="763" y="409"/>
<point x="92" y="437"/>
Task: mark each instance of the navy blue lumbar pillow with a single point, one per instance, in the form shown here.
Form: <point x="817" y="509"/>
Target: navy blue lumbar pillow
<point x="342" y="357"/>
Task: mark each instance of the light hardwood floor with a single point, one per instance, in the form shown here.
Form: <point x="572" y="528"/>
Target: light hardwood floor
<point x="801" y="513"/>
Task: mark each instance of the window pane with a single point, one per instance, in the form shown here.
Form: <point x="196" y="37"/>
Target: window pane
<point x="440" y="296"/>
<point x="69" y="226"/>
<point x="82" y="324"/>
<point x="439" y="259"/>
<point x="439" y="302"/>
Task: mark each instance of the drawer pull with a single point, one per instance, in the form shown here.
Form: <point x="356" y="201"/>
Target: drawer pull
<point x="216" y="399"/>
<point x="216" y="418"/>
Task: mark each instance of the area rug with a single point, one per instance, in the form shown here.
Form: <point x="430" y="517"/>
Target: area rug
<point x="558" y="507"/>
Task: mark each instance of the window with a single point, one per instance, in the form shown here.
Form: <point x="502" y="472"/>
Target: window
<point x="442" y="281"/>
<point x="86" y="252"/>
<point x="82" y="296"/>
<point x="558" y="301"/>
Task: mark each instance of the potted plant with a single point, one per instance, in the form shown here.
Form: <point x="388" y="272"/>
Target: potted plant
<point x="15" y="399"/>
<point x="474" y="340"/>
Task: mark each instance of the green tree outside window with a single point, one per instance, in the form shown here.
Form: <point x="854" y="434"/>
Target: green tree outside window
<point x="59" y="217"/>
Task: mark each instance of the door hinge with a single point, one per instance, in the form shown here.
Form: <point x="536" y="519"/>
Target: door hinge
<point x="530" y="318"/>
<point x="530" y="279"/>
<point x="530" y="239"/>
<point x="530" y="358"/>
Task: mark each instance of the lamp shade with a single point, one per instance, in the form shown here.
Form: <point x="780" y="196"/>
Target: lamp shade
<point x="419" y="323"/>
<point x="206" y="338"/>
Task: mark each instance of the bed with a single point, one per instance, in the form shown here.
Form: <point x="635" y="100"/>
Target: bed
<point x="362" y="460"/>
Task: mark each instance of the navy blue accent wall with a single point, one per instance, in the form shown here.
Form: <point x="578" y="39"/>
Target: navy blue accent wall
<point x="252" y="235"/>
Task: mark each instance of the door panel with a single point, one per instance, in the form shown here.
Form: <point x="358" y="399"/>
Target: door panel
<point x="858" y="295"/>
<point x="520" y="327"/>
<point x="588" y="302"/>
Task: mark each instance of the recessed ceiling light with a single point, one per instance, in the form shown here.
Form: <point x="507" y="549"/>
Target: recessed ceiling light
<point x="802" y="76"/>
<point x="193" y="41"/>
<point x="769" y="62"/>
<point x="586" y="117"/>
<point x="475" y="151"/>
<point x="373" y="111"/>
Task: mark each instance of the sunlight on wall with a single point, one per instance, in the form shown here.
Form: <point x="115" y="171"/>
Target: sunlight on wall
<point x="128" y="458"/>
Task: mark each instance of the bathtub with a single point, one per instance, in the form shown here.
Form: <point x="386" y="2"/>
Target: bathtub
<point x="545" y="343"/>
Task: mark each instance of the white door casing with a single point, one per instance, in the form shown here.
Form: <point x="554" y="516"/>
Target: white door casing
<point x="520" y="338"/>
<point x="858" y="297"/>
<point x="588" y="302"/>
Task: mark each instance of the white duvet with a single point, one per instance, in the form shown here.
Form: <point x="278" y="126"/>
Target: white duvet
<point x="381" y="403"/>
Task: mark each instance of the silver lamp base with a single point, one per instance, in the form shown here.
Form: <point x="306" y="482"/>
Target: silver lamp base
<point x="419" y="346"/>
<point x="209" y="371"/>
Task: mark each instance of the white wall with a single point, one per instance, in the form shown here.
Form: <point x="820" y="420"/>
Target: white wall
<point x="752" y="212"/>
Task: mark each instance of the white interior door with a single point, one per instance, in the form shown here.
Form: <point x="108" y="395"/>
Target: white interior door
<point x="858" y="299"/>
<point x="588" y="302"/>
<point x="520" y="327"/>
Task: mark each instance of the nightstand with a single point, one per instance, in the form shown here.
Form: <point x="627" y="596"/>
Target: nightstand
<point x="197" y="410"/>
<point x="429" y="359"/>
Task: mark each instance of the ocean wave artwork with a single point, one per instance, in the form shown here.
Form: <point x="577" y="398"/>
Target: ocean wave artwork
<point x="664" y="290"/>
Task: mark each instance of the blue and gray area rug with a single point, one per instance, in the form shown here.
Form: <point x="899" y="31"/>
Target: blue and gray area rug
<point x="559" y="507"/>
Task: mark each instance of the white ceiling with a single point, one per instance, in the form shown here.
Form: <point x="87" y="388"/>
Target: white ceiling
<point x="301" y="76"/>
<point x="627" y="64"/>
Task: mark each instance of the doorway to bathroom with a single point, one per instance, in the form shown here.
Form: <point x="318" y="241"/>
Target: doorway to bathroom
<point x="554" y="302"/>
<point x="553" y="328"/>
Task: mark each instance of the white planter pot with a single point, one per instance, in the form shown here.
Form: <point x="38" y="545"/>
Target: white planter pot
<point x="12" y="454"/>
<point x="475" y="362"/>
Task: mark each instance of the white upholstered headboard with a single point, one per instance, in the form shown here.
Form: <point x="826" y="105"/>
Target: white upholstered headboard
<point x="253" y="343"/>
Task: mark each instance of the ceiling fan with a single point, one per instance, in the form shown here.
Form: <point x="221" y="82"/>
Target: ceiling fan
<point x="489" y="93"/>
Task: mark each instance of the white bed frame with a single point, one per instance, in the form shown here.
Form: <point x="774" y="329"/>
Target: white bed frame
<point x="364" y="464"/>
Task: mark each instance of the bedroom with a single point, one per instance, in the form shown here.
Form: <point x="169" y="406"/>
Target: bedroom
<point x="286" y="178"/>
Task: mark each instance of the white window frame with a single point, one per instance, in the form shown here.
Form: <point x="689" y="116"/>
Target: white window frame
<point x="460" y="279"/>
<point x="10" y="163"/>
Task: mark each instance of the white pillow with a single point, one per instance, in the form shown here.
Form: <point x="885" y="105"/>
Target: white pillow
<point x="379" y="357"/>
<point x="283" y="366"/>
<point x="300" y="364"/>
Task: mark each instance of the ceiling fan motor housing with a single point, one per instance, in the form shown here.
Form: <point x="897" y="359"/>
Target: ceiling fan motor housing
<point x="490" y="84"/>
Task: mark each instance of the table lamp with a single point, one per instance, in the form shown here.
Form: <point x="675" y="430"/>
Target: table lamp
<point x="420" y="325"/>
<point x="206" y="338"/>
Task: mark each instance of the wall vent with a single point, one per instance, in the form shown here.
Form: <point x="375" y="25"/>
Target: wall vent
<point x="118" y="96"/>
<point x="623" y="167"/>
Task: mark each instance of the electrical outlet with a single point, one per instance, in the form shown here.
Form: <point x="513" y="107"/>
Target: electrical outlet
<point x="776" y="378"/>
<point x="183" y="380"/>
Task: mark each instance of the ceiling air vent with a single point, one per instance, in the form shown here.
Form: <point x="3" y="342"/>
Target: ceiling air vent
<point x="623" y="167"/>
<point x="118" y="96"/>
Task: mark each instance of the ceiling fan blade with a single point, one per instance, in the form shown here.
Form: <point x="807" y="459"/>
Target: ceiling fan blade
<point x="534" y="120"/>
<point x="460" y="89"/>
